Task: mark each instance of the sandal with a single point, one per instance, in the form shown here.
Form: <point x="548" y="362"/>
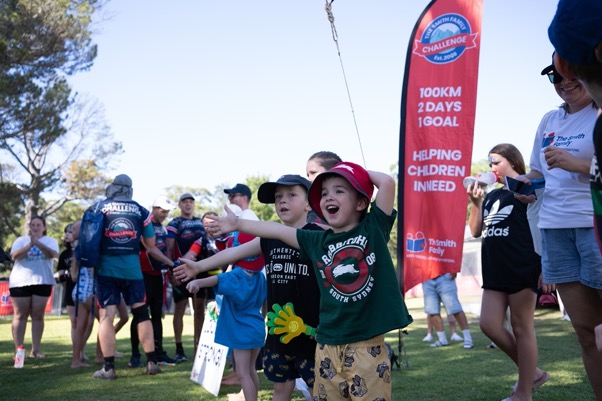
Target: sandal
<point x="438" y="343"/>
<point x="537" y="383"/>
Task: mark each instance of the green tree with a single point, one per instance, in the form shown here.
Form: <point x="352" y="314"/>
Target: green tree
<point x="44" y="127"/>
<point x="263" y="211"/>
<point x="40" y="41"/>
<point x="207" y="200"/>
<point x="69" y="213"/>
<point x="204" y="200"/>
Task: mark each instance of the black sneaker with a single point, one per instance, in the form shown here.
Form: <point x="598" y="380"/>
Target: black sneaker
<point x="180" y="357"/>
<point x="135" y="362"/>
<point x="163" y="357"/>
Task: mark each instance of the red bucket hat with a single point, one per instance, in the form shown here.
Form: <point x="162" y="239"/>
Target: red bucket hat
<point x="357" y="176"/>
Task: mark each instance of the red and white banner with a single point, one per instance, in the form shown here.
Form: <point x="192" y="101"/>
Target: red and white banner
<point x="436" y="134"/>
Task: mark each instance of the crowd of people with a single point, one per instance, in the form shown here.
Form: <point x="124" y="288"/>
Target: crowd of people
<point x="312" y="265"/>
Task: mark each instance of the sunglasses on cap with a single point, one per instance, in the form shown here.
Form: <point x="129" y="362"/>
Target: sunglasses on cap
<point x="554" y="76"/>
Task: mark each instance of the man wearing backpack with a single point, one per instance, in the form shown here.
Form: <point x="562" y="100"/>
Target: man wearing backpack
<point x="126" y="224"/>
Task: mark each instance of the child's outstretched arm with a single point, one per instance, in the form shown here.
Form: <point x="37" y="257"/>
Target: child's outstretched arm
<point x="263" y="229"/>
<point x="189" y="268"/>
<point x="385" y="197"/>
<point x="195" y="285"/>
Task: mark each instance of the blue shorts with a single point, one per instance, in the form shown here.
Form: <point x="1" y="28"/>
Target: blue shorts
<point x="280" y="368"/>
<point x="110" y="289"/>
<point x="441" y="289"/>
<point x="571" y="255"/>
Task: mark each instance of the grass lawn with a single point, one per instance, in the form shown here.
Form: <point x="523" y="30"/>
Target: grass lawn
<point x="449" y="373"/>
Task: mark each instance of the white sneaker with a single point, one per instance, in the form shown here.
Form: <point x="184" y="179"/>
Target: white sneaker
<point x="428" y="338"/>
<point x="302" y="386"/>
<point x="456" y="337"/>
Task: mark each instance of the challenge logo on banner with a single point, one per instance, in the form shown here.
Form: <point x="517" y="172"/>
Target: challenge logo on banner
<point x="436" y="135"/>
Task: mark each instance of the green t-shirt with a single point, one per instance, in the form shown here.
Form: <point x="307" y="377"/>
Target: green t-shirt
<point x="360" y="296"/>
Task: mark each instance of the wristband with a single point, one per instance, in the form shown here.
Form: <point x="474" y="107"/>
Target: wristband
<point x="176" y="263"/>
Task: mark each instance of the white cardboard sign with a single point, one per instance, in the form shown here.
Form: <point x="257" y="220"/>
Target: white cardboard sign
<point x="210" y="359"/>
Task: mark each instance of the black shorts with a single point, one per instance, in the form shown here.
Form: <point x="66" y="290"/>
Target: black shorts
<point x="280" y="368"/>
<point x="180" y="292"/>
<point x="41" y="290"/>
<point x="69" y="286"/>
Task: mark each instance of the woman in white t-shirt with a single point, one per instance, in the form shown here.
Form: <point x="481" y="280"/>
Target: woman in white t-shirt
<point x="562" y="154"/>
<point x="31" y="281"/>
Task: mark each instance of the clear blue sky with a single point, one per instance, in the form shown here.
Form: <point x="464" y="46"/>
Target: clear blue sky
<point x="203" y="93"/>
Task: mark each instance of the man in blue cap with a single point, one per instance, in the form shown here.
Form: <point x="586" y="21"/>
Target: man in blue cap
<point x="240" y="195"/>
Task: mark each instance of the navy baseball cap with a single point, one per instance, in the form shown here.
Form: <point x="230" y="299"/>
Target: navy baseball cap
<point x="239" y="189"/>
<point x="267" y="190"/>
<point x="576" y="30"/>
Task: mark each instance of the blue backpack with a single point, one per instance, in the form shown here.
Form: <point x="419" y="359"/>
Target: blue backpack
<point x="90" y="237"/>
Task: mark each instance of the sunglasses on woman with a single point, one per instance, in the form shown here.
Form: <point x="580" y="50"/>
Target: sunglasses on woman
<point x="554" y="76"/>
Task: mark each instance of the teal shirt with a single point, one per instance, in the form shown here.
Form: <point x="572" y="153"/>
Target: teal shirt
<point x="360" y="295"/>
<point x="124" y="266"/>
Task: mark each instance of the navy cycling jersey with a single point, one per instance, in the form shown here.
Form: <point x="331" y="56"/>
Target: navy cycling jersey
<point x="185" y="232"/>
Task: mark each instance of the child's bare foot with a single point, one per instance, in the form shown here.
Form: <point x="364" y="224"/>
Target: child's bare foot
<point x="230" y="380"/>
<point x="79" y="364"/>
<point x="236" y="397"/>
<point x="598" y="331"/>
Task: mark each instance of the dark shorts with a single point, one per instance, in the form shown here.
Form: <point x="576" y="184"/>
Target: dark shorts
<point x="110" y="289"/>
<point x="41" y="290"/>
<point x="69" y="286"/>
<point x="280" y="368"/>
<point x="180" y="293"/>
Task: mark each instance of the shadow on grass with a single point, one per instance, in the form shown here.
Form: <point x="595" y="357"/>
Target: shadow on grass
<point x="448" y="373"/>
<point x="454" y="374"/>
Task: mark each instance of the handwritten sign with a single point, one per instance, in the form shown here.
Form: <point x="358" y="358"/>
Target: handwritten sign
<point x="210" y="359"/>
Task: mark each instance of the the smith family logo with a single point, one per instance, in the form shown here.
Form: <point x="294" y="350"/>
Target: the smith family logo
<point x="548" y="139"/>
<point x="345" y="269"/>
<point x="5" y="298"/>
<point x="445" y="39"/>
<point x="415" y="242"/>
<point x="421" y="247"/>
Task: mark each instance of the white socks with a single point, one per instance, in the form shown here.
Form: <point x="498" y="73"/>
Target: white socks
<point x="442" y="337"/>
<point x="467" y="339"/>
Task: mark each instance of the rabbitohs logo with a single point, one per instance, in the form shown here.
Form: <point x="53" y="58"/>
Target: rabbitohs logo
<point x="445" y="39"/>
<point x="347" y="274"/>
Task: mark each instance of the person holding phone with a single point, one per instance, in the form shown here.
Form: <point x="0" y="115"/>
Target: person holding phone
<point x="576" y="34"/>
<point x="511" y="269"/>
<point x="562" y="153"/>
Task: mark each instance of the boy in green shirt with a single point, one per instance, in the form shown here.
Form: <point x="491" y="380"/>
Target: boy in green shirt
<point x="360" y="296"/>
